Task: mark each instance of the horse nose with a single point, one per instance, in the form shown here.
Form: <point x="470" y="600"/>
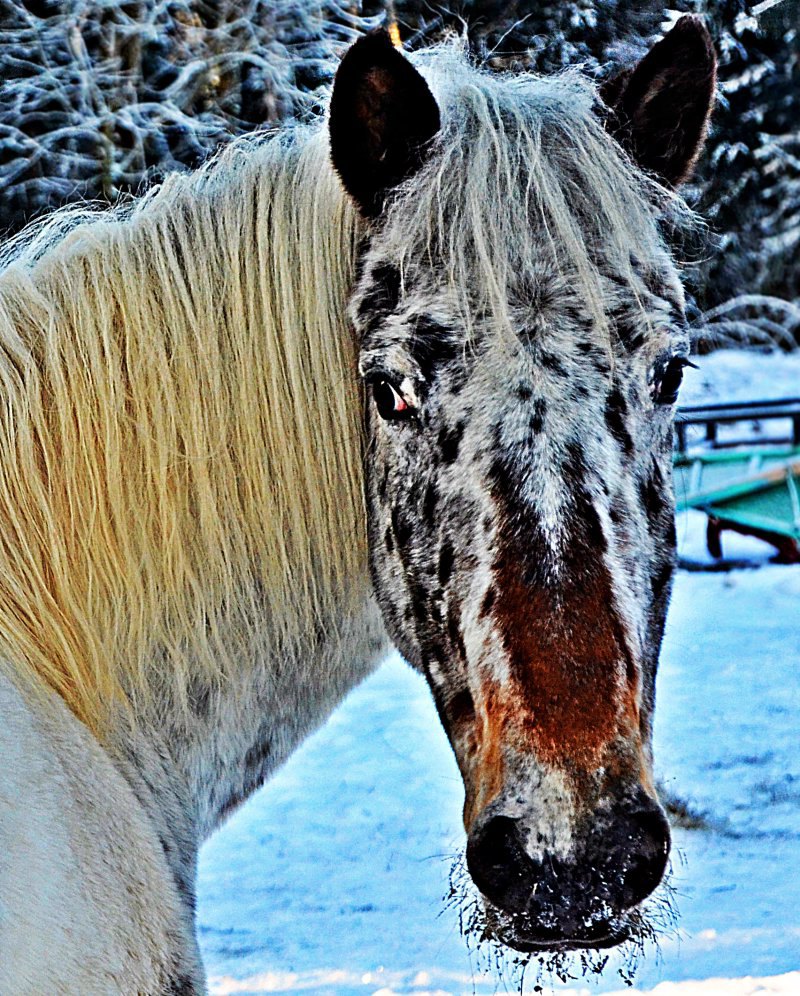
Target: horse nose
<point x="612" y="869"/>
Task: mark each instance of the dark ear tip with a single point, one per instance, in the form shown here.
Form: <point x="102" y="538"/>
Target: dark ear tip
<point x="691" y="22"/>
<point x="374" y="47"/>
<point x="382" y="117"/>
<point x="690" y="46"/>
<point x="691" y="29"/>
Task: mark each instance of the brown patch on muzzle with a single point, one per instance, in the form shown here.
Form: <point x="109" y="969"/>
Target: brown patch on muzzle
<point x="575" y="690"/>
<point x="574" y="686"/>
<point x="478" y="746"/>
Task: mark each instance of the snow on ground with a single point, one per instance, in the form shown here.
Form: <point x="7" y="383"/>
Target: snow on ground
<point x="330" y="880"/>
<point x="742" y="375"/>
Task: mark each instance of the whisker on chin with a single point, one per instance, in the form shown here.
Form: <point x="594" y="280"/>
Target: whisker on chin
<point x="513" y="971"/>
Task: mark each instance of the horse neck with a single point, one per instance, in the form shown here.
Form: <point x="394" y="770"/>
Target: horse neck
<point x="191" y="771"/>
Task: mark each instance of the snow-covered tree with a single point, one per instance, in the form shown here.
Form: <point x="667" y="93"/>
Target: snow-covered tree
<point x="97" y="98"/>
<point x="750" y="176"/>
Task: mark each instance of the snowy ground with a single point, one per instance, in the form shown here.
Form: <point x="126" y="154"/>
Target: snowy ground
<point x="330" y="880"/>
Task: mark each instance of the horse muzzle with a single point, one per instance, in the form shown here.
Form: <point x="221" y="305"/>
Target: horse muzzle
<point x="578" y="900"/>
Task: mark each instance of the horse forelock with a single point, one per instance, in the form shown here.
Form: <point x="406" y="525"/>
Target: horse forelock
<point x="181" y="424"/>
<point x="522" y="176"/>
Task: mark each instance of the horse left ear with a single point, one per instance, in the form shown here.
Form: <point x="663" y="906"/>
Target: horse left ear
<point x="662" y="105"/>
<point x="382" y="117"/>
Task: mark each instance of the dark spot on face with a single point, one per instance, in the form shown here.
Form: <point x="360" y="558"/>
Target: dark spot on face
<point x="383" y="297"/>
<point x="488" y="602"/>
<point x="402" y="527"/>
<point x="538" y="415"/>
<point x="552" y="363"/>
<point x="577" y="316"/>
<point x="629" y="328"/>
<point x="429" y="504"/>
<point x="575" y="473"/>
<point x="449" y="442"/>
<point x="436" y="652"/>
<point x="533" y="555"/>
<point x="617" y="513"/>
<point x="601" y="366"/>
<point x="615" y="412"/>
<point x="524" y="392"/>
<point x="454" y="633"/>
<point x="431" y="344"/>
<point x="418" y="593"/>
<point x="388" y="540"/>
<point x="446" y="563"/>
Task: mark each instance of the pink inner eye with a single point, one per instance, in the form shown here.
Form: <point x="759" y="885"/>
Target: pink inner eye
<point x="389" y="401"/>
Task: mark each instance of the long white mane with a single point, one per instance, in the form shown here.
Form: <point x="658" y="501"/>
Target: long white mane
<point x="180" y="424"/>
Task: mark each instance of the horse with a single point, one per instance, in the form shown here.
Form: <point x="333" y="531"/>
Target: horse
<point x="404" y="373"/>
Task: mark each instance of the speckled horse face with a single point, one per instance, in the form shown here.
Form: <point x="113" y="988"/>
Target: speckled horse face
<point x="519" y="499"/>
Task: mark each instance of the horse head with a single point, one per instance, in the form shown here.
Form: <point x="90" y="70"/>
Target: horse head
<point x="522" y="340"/>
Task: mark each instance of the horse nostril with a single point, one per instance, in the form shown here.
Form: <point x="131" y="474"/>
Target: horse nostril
<point x="499" y="864"/>
<point x="643" y="844"/>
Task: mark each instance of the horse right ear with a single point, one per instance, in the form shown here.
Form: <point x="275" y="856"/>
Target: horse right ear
<point x="382" y="118"/>
<point x="660" y="108"/>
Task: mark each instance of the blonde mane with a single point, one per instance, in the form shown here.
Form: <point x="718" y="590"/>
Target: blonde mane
<point x="181" y="428"/>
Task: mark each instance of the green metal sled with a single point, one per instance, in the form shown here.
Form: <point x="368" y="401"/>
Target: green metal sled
<point x="745" y="484"/>
<point x="755" y="490"/>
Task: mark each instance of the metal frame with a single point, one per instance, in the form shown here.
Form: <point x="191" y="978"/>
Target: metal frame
<point x="712" y="416"/>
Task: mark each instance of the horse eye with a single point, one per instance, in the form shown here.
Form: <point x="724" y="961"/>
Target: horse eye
<point x="668" y="382"/>
<point x="389" y="402"/>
